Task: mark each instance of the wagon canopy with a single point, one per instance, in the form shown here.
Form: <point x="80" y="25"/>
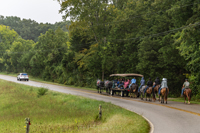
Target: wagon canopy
<point x="127" y="75"/>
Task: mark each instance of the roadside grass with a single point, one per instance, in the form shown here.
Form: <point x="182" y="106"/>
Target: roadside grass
<point x="182" y="99"/>
<point x="58" y="112"/>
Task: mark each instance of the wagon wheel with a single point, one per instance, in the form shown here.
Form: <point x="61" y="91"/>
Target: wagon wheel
<point x="111" y="92"/>
<point x="122" y="93"/>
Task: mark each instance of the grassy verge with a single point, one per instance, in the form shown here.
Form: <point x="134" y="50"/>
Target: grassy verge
<point x="49" y="82"/>
<point x="181" y="99"/>
<point x="57" y="112"/>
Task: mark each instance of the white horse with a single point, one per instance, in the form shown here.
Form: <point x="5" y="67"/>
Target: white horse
<point x="142" y="91"/>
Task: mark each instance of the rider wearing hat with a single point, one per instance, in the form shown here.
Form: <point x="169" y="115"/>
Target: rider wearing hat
<point x="163" y="85"/>
<point x="149" y="84"/>
<point x="186" y="85"/>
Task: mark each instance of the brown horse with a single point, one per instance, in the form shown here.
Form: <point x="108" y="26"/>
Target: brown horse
<point x="187" y="93"/>
<point x="163" y="93"/>
<point x="148" y="93"/>
<point x="133" y="90"/>
<point x="155" y="90"/>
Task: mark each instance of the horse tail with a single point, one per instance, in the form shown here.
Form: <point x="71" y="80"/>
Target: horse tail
<point x="153" y="93"/>
<point x="166" y="94"/>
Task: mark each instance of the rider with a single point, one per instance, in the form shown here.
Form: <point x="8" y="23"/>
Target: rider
<point x="186" y="85"/>
<point x="157" y="82"/>
<point x="149" y="84"/>
<point x="133" y="81"/>
<point x="142" y="82"/>
<point x="163" y="85"/>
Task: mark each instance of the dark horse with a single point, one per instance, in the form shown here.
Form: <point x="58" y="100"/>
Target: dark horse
<point x="163" y="93"/>
<point x="148" y="93"/>
<point x="187" y="93"/>
<point x="155" y="90"/>
<point x="100" y="85"/>
<point x="133" y="90"/>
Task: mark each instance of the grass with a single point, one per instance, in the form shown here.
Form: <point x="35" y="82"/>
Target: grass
<point x="182" y="99"/>
<point x="58" y="112"/>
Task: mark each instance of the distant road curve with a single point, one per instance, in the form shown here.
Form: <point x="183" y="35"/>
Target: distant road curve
<point x="173" y="118"/>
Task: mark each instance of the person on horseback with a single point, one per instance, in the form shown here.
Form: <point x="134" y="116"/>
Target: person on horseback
<point x="149" y="84"/>
<point x="157" y="82"/>
<point x="186" y="85"/>
<point x="163" y="85"/>
<point x="142" y="82"/>
<point x="133" y="81"/>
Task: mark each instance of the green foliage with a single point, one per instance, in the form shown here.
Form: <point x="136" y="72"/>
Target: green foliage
<point x="109" y="36"/>
<point x="41" y="92"/>
<point x="30" y="29"/>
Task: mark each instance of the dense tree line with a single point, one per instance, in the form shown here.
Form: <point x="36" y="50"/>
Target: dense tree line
<point x="155" y="38"/>
<point x="29" y="29"/>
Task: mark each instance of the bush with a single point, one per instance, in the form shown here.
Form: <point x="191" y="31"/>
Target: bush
<point x="42" y="91"/>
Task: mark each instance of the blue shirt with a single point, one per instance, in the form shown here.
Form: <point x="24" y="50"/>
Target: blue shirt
<point x="133" y="81"/>
<point x="142" y="82"/>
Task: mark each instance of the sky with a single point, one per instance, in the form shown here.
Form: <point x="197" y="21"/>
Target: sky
<point x="42" y="11"/>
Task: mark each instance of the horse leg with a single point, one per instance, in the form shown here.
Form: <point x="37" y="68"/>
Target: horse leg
<point x="142" y="95"/>
<point x="146" y="96"/>
<point x="188" y="98"/>
<point x="150" y="97"/>
<point x="163" y="99"/>
<point x="185" y="99"/>
<point x="154" y="97"/>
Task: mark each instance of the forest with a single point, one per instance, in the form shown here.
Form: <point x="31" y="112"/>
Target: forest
<point x="155" y="38"/>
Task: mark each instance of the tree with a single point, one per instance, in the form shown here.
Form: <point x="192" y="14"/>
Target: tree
<point x="7" y="37"/>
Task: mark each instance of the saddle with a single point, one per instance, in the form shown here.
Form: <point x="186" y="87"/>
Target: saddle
<point x="186" y="89"/>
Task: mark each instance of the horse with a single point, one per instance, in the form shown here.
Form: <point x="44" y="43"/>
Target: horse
<point x="187" y="93"/>
<point x="108" y="85"/>
<point x="155" y="90"/>
<point x="148" y="93"/>
<point x="100" y="85"/>
<point x="163" y="93"/>
<point x="142" y="91"/>
<point x="133" y="89"/>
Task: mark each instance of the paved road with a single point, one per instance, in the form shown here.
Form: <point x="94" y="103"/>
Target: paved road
<point x="171" y="118"/>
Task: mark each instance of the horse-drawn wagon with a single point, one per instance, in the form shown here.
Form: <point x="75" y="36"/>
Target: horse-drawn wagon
<point x="124" y="91"/>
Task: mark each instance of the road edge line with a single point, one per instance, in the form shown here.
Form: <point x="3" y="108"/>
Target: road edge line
<point x="150" y="123"/>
